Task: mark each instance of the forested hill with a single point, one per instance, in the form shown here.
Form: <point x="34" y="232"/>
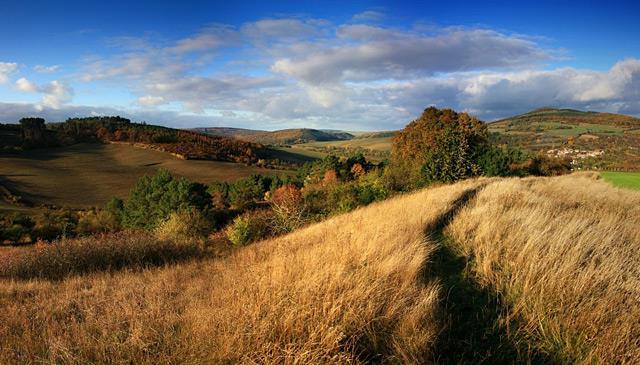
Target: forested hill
<point x="279" y="137"/>
<point x="35" y="133"/>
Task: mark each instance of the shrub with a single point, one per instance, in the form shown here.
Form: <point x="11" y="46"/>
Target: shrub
<point x="101" y="221"/>
<point x="288" y="205"/>
<point x="154" y="198"/>
<point x="542" y="165"/>
<point x="245" y="192"/>
<point x="501" y="161"/>
<point x="249" y="227"/>
<point x="371" y="187"/>
<point x="183" y="225"/>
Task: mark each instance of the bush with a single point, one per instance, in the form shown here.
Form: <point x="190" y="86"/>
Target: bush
<point x="101" y="221"/>
<point x="183" y="225"/>
<point x="153" y="199"/>
<point x="371" y="187"/>
<point x="249" y="227"/>
<point x="288" y="206"/>
<point x="542" y="165"/>
<point x="245" y="192"/>
<point x="501" y="161"/>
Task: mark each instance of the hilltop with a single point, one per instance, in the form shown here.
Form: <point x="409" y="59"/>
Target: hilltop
<point x="590" y="139"/>
<point x="279" y="137"/>
<point x="568" y="117"/>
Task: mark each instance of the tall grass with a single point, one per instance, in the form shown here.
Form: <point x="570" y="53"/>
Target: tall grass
<point x="73" y="256"/>
<point x="347" y="290"/>
<point x="565" y="253"/>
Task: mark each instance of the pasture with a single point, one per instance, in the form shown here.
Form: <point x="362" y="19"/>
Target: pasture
<point x="630" y="180"/>
<point x="86" y="175"/>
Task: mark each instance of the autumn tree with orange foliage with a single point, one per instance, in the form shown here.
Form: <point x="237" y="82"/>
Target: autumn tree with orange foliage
<point x="441" y="145"/>
<point x="287" y="203"/>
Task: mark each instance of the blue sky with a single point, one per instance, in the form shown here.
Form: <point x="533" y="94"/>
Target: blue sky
<point x="351" y="65"/>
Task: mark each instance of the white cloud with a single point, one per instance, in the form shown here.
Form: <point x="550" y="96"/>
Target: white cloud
<point x="5" y="69"/>
<point x="412" y="55"/>
<point x="289" y="72"/>
<point x="208" y="39"/>
<point x="55" y="93"/>
<point x="46" y="69"/>
<point x="149" y="100"/>
<point x="27" y="86"/>
<point x="368" y="16"/>
<point x="273" y="30"/>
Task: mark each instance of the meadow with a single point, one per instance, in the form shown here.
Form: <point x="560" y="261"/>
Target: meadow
<point x="490" y="270"/>
<point x="86" y="175"/>
<point x="629" y="180"/>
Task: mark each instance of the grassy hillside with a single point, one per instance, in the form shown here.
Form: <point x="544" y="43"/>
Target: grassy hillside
<point x="280" y="137"/>
<point x="373" y="147"/>
<point x="539" y="270"/>
<point x="348" y="290"/>
<point x="85" y="175"/>
<point x="575" y="132"/>
<point x="564" y="253"/>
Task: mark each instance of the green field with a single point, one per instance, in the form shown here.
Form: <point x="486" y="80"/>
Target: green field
<point x="375" y="144"/>
<point x="630" y="180"/>
<point x="87" y="175"/>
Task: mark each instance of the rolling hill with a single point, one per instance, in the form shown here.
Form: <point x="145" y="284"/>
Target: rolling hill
<point x="442" y="275"/>
<point x="89" y="174"/>
<point x="279" y="137"/>
<point x="590" y="139"/>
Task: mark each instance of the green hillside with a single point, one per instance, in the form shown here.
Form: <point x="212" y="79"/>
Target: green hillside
<point x="590" y="139"/>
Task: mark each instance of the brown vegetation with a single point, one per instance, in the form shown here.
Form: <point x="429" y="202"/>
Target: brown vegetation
<point x="345" y="290"/>
<point x="560" y="255"/>
<point x="565" y="253"/>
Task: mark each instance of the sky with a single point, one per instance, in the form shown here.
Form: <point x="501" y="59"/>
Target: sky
<point x="351" y="65"/>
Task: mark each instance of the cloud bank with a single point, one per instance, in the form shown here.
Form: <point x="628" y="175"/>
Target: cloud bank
<point x="287" y="72"/>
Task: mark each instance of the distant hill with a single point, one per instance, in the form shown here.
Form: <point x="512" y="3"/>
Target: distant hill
<point x="568" y="116"/>
<point x="279" y="137"/>
<point x="228" y="131"/>
<point x="34" y="133"/>
<point x="575" y="134"/>
<point x="381" y="134"/>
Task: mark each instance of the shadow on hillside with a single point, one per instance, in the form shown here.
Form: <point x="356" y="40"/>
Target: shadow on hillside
<point x="474" y="331"/>
<point x="55" y="152"/>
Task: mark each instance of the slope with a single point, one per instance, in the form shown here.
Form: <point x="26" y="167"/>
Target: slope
<point x="279" y="137"/>
<point x="590" y="139"/>
<point x="347" y="290"/>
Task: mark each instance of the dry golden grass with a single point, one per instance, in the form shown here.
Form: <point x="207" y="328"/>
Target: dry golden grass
<point x="103" y="252"/>
<point x="347" y="290"/>
<point x="565" y="253"/>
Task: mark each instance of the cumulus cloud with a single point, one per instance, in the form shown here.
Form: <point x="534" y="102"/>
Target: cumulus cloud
<point x="5" y="69"/>
<point x="55" y="93"/>
<point x="410" y="55"/>
<point x="288" y="72"/>
<point x="27" y="86"/>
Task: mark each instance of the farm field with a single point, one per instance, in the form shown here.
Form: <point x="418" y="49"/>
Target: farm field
<point x="376" y="144"/>
<point x="86" y="175"/>
<point x="629" y="180"/>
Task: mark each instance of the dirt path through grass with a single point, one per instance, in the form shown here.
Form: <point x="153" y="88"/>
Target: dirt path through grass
<point x="474" y="331"/>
